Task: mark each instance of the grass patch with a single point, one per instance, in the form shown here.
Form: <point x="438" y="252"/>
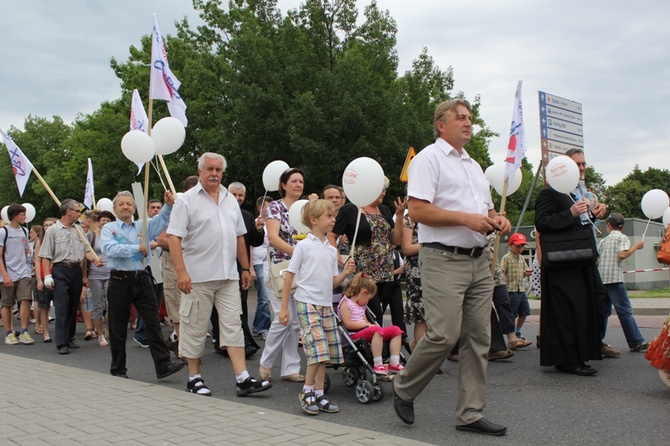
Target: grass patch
<point x="655" y="293"/>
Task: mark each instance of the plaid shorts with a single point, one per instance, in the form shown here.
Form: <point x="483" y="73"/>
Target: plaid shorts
<point x="320" y="336"/>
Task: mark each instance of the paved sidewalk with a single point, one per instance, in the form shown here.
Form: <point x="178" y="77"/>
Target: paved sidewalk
<point x="56" y="405"/>
<point x="642" y="306"/>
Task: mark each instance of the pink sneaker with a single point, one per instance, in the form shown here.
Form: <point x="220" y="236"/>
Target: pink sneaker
<point x="396" y="368"/>
<point x="380" y="370"/>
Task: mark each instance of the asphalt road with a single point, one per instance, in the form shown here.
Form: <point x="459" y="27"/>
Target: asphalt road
<point x="625" y="403"/>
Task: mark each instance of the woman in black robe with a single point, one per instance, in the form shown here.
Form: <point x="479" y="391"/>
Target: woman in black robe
<point x="569" y="311"/>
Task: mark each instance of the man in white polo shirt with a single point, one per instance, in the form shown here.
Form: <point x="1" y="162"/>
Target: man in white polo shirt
<point x="449" y="197"/>
<point x="206" y="236"/>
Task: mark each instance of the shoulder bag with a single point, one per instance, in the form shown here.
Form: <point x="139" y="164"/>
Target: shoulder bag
<point x="574" y="247"/>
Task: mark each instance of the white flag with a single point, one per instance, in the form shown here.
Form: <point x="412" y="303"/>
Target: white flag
<point x="164" y="84"/>
<point x="21" y="165"/>
<point x="138" y="119"/>
<point x="516" y="149"/>
<point x="89" y="194"/>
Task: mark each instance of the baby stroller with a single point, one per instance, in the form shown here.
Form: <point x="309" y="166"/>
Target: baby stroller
<point x="357" y="369"/>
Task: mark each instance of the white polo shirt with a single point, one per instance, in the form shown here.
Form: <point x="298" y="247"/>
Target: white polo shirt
<point x="439" y="175"/>
<point x="209" y="233"/>
<point x="315" y="264"/>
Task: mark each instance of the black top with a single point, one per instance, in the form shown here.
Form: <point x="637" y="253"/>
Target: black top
<point x="346" y="223"/>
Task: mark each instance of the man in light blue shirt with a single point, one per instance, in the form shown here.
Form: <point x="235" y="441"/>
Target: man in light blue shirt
<point x="130" y="283"/>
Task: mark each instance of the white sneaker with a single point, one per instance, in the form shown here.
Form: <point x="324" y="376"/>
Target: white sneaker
<point x="24" y="338"/>
<point x="10" y="339"/>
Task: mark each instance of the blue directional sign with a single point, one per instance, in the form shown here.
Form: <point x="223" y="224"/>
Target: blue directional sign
<point x="561" y="126"/>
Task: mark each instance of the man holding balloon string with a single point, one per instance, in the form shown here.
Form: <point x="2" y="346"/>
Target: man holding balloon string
<point x="450" y="199"/>
<point x="598" y="210"/>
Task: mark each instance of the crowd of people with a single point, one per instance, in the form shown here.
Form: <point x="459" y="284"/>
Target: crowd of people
<point x="197" y="257"/>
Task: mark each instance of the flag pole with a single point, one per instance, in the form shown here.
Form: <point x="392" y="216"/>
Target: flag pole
<point x="78" y="229"/>
<point x="165" y="171"/>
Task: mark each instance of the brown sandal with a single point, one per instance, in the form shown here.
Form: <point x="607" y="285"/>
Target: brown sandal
<point x="519" y="343"/>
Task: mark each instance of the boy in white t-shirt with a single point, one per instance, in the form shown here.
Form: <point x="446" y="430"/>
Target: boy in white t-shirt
<point x="16" y="274"/>
<point x="314" y="267"/>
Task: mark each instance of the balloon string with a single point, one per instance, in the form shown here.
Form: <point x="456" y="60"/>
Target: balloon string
<point x="159" y="174"/>
<point x="597" y="229"/>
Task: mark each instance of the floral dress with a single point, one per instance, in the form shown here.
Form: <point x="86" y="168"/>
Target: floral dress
<point x="277" y="210"/>
<point x="376" y="259"/>
<point x="658" y="352"/>
<point x="414" y="309"/>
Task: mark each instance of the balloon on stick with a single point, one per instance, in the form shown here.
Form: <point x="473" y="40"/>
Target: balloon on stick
<point x="654" y="203"/>
<point x="295" y="216"/>
<point x="498" y="179"/>
<point x="168" y="135"/>
<point x="4" y="215"/>
<point x="562" y="174"/>
<point x="363" y="181"/>
<point x="138" y="147"/>
<point x="666" y="218"/>
<point x="488" y="173"/>
<point x="105" y="204"/>
<point x="272" y="173"/>
<point x="30" y="212"/>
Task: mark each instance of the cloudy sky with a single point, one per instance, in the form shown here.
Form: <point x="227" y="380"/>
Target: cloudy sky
<point x="612" y="56"/>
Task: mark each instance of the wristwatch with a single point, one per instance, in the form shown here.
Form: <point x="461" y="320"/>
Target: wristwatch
<point x="246" y="269"/>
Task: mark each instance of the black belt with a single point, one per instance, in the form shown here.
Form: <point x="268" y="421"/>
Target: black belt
<point x="68" y="264"/>
<point x="122" y="273"/>
<point x="471" y="252"/>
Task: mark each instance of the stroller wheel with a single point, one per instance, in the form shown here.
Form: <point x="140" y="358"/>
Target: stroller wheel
<point x="326" y="383"/>
<point x="364" y="391"/>
<point x="378" y="395"/>
<point x="349" y="376"/>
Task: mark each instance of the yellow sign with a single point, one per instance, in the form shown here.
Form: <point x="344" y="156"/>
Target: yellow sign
<point x="410" y="156"/>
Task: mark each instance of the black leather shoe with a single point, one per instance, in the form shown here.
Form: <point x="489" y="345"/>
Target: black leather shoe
<point x="249" y="350"/>
<point x="483" y="426"/>
<point x="172" y="368"/>
<point x="63" y="350"/>
<point x="72" y="344"/>
<point x="403" y="409"/>
<point x="579" y="370"/>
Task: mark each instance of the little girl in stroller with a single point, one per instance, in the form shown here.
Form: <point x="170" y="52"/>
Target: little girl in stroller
<point x="352" y="312"/>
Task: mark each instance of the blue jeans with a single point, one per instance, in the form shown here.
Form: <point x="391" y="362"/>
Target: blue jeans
<point x="262" y="317"/>
<point x="618" y="296"/>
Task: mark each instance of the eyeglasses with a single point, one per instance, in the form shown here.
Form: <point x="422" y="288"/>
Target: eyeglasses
<point x="76" y="210"/>
<point x="581" y="164"/>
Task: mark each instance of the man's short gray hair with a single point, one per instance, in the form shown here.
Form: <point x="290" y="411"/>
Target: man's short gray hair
<point x="124" y="193"/>
<point x="211" y="155"/>
<point x="66" y="204"/>
<point x="237" y="185"/>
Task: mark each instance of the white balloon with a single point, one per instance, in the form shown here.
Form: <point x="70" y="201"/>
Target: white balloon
<point x="666" y="217"/>
<point x="488" y="173"/>
<point x="168" y="135"/>
<point x="295" y="216"/>
<point x="498" y="179"/>
<point x="30" y="212"/>
<point x="363" y="181"/>
<point x="105" y="204"/>
<point x="562" y="174"/>
<point x="4" y="215"/>
<point x="654" y="203"/>
<point x="137" y="146"/>
<point x="272" y="173"/>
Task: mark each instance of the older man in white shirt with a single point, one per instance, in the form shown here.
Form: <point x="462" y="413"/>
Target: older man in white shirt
<point x="206" y="236"/>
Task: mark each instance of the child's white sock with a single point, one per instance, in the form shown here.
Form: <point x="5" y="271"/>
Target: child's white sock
<point x="394" y="359"/>
<point x="307" y="389"/>
<point x="378" y="360"/>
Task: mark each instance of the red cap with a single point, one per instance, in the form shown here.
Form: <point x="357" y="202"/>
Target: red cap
<point x="517" y="239"/>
